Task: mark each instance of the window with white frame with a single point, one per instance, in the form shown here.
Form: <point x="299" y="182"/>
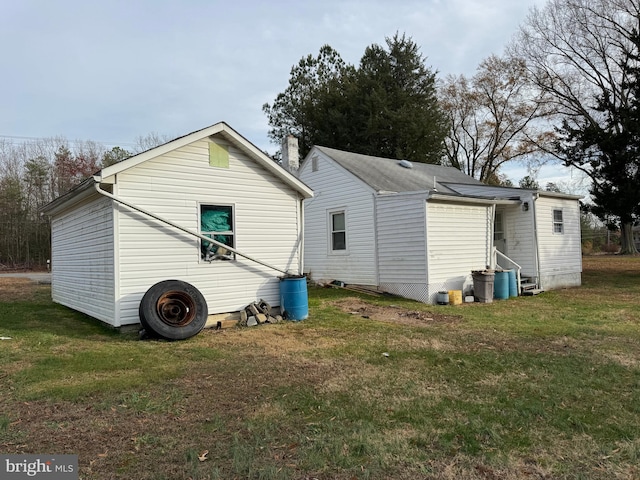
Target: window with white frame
<point x="217" y="223"/>
<point x="498" y="229"/>
<point x="558" y="224"/>
<point x="338" y="224"/>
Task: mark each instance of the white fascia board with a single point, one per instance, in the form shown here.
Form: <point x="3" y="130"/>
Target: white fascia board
<point x="157" y="151"/>
<point x="72" y="197"/>
<point x="107" y="174"/>
<point x="417" y="193"/>
<point x="262" y="159"/>
<point x="467" y="199"/>
<point x="565" y="196"/>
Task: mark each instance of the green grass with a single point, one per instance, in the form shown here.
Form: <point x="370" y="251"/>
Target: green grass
<point x="537" y="387"/>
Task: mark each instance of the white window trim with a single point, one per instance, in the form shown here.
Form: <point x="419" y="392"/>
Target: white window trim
<point x="499" y="215"/>
<point x="330" y="214"/>
<point x="234" y="232"/>
<point x="554" y="223"/>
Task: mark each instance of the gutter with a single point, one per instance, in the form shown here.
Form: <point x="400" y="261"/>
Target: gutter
<point x="468" y="199"/>
<point x="183" y="229"/>
<point x="536" y="249"/>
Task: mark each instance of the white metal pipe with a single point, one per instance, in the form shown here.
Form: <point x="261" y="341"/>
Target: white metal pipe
<point x="186" y="230"/>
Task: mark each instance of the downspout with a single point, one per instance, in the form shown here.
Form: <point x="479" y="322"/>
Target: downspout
<point x="202" y="237"/>
<point x="301" y="236"/>
<point x="374" y="197"/>
<point x="492" y="255"/>
<point x="534" y="197"/>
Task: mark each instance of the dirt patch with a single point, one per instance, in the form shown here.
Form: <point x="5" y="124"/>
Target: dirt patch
<point x="393" y="314"/>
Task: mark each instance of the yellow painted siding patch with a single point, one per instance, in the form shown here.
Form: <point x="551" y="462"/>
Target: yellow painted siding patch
<point x="218" y="155"/>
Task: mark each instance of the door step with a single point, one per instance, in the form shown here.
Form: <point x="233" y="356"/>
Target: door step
<point x="532" y="291"/>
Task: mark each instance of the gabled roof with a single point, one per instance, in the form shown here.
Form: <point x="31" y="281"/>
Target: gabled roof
<point x="386" y="175"/>
<point x="219" y="129"/>
<point x="228" y="134"/>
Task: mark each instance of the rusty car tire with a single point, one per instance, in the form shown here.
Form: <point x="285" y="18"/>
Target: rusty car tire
<point x="173" y="310"/>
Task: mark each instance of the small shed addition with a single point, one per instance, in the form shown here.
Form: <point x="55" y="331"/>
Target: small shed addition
<point x="146" y="219"/>
<point x="416" y="229"/>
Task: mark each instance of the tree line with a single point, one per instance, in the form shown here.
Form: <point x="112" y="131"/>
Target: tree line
<point x="35" y="172"/>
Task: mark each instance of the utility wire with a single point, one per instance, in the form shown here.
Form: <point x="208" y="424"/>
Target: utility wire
<point x="18" y="139"/>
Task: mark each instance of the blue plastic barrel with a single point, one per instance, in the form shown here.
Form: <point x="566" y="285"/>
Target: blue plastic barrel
<point x="501" y="285"/>
<point x="513" y="284"/>
<point x="294" y="302"/>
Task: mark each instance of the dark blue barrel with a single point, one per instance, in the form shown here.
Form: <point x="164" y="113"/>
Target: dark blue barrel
<point x="294" y="302"/>
<point x="501" y="285"/>
<point x="513" y="284"/>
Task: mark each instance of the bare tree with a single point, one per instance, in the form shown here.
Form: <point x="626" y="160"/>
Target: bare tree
<point x="495" y="117"/>
<point x="149" y="141"/>
<point x="582" y="55"/>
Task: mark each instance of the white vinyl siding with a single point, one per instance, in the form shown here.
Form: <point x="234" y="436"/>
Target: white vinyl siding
<point x="402" y="239"/>
<point x="458" y="243"/>
<point x="560" y="254"/>
<point x="335" y="188"/>
<point x="519" y="239"/>
<point x="173" y="186"/>
<point x="82" y="258"/>
<point x="402" y="244"/>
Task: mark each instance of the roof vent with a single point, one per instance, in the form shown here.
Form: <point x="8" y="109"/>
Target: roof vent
<point x="405" y="164"/>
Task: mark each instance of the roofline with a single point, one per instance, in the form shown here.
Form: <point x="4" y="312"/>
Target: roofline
<point x="444" y="197"/>
<point x="221" y="127"/>
<point x="542" y="193"/>
<point x="75" y="195"/>
<point x="567" y="196"/>
<point x="338" y="164"/>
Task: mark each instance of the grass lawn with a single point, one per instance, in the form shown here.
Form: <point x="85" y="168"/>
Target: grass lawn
<point x="544" y="387"/>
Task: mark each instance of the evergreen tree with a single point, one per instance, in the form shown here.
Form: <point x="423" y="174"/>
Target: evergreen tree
<point x="385" y="107"/>
<point x="610" y="150"/>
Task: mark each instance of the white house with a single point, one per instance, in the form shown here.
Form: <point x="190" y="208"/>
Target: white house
<point x="145" y="220"/>
<point x="417" y="229"/>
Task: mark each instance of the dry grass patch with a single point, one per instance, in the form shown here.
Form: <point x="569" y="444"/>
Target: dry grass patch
<point x="17" y="289"/>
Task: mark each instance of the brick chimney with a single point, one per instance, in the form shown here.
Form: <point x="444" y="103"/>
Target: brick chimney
<point x="290" y="156"/>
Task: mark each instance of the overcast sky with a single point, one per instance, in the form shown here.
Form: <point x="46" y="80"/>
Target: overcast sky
<point x="113" y="70"/>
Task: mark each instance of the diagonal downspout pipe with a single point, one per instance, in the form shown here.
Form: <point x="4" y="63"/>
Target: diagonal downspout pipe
<point x="186" y="230"/>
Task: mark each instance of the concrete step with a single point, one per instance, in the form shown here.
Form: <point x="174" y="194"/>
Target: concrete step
<point x="531" y="292"/>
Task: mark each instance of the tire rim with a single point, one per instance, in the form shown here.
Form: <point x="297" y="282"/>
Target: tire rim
<point x="176" y="308"/>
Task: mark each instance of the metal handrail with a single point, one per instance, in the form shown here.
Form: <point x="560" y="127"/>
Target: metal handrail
<point x="497" y="252"/>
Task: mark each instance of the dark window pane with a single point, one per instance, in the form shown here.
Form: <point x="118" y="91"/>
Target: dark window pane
<point x="339" y="241"/>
